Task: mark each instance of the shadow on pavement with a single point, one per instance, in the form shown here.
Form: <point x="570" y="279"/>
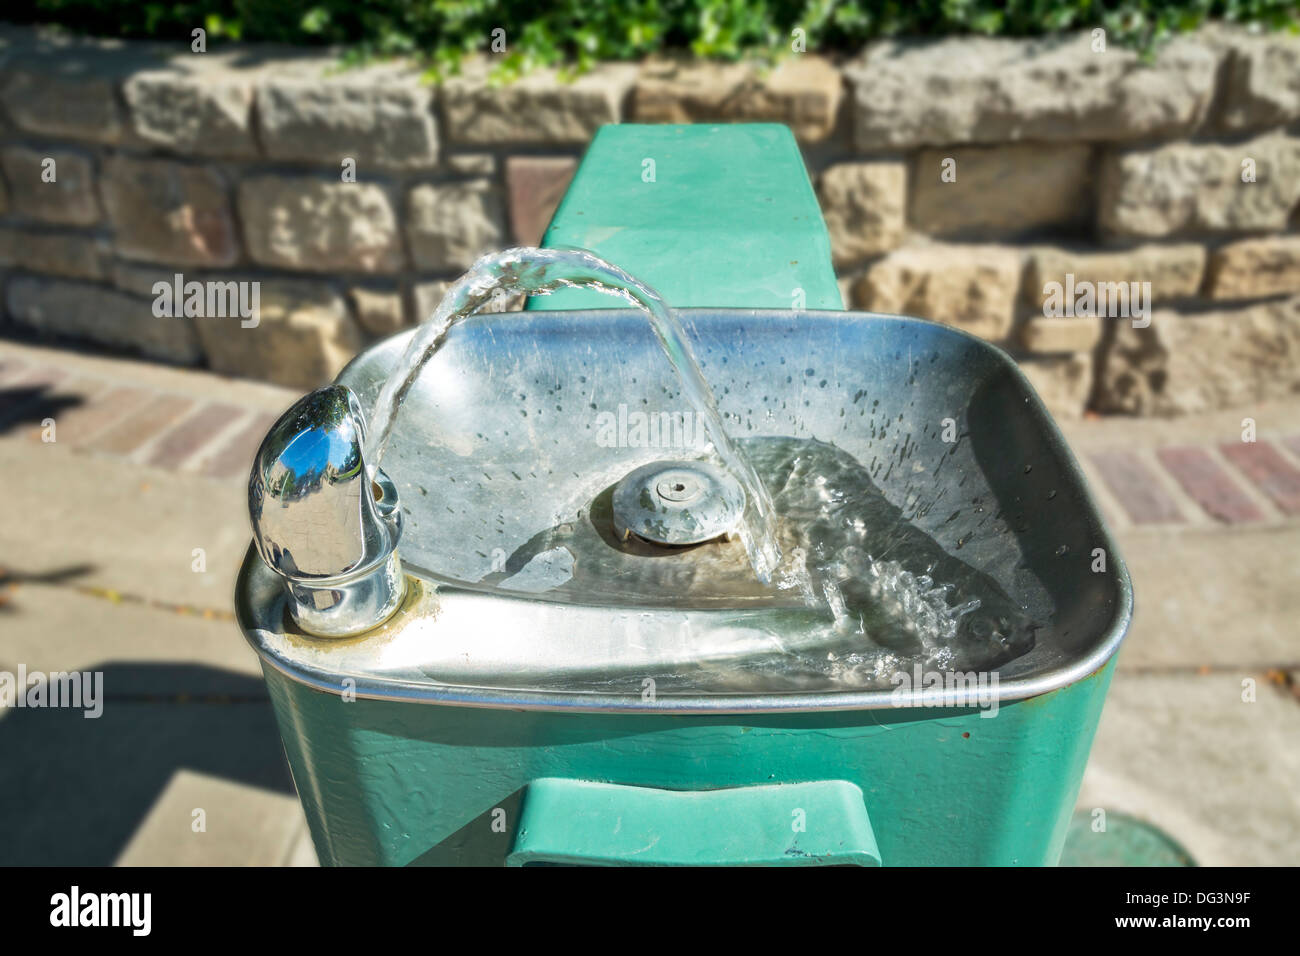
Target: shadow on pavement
<point x="31" y="405"/>
<point x="73" y="789"/>
<point x="9" y="578"/>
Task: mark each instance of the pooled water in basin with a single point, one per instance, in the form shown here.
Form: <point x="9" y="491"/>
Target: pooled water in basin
<point x="897" y="599"/>
<point x="861" y="595"/>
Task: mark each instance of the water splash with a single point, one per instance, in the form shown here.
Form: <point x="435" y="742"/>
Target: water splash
<point x="541" y="271"/>
<point x="876" y="570"/>
<point x="861" y="596"/>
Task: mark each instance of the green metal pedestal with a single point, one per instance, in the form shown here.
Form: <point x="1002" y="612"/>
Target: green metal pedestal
<point x="388" y="783"/>
<point x="718" y="216"/>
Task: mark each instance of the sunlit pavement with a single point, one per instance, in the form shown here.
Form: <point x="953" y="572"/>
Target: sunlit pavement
<point x="121" y="539"/>
<point x="1197" y="734"/>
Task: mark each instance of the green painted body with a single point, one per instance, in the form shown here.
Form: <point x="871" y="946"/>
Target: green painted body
<point x="731" y="220"/>
<point x="393" y="784"/>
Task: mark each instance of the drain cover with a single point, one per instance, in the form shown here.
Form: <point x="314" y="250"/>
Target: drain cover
<point x="677" y="502"/>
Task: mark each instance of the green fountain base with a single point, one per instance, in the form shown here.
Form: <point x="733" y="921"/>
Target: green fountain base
<point x="1126" y="841"/>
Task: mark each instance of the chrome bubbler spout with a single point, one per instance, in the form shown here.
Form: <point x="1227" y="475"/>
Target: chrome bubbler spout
<point x="320" y="523"/>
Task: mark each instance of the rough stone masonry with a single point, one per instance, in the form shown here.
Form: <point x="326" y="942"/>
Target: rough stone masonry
<point x="960" y="179"/>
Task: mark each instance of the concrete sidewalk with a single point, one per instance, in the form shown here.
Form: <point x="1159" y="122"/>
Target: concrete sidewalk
<point x="1198" y="735"/>
<point x="185" y="766"/>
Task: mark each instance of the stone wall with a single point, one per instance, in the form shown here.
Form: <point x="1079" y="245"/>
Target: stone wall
<point x="959" y="179"/>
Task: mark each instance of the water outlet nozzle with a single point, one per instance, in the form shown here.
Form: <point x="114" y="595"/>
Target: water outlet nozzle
<point x="321" y="523"/>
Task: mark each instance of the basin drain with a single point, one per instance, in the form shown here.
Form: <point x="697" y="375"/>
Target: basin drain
<point x="677" y="502"/>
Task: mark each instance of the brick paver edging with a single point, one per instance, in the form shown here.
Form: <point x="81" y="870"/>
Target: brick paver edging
<point x="159" y="428"/>
<point x="1231" y="483"/>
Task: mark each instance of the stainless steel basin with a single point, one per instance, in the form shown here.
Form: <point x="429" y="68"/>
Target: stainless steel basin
<point x="506" y="451"/>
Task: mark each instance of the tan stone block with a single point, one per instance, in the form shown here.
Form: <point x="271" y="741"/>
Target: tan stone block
<point x="970" y="287"/>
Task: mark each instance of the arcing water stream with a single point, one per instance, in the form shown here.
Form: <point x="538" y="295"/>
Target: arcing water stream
<point x="537" y="272"/>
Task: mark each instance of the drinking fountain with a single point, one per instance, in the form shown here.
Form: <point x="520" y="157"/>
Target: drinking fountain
<point x="867" y="614"/>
